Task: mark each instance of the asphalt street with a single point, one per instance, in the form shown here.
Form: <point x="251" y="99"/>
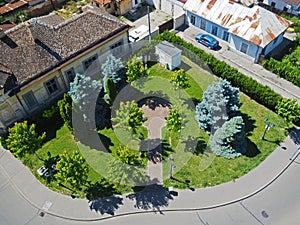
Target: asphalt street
<point x="269" y="194"/>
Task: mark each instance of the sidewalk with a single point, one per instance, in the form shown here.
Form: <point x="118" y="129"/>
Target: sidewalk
<point x="245" y="65"/>
<point x="158" y="198"/>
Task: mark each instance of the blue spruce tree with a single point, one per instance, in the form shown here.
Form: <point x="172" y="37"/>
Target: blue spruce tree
<point x="112" y="68"/>
<point x="220" y="102"/>
<point x="229" y="141"/>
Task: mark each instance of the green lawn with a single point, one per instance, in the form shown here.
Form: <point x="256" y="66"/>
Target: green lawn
<point x="188" y="163"/>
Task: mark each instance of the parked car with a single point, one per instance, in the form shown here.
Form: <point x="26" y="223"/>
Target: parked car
<point x="42" y="171"/>
<point x="207" y="40"/>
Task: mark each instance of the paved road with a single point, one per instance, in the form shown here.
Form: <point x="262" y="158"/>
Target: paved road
<point x="239" y="202"/>
<point x="245" y="65"/>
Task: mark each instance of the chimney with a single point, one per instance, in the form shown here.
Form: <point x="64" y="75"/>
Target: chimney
<point x="2" y="34"/>
<point x="31" y="24"/>
<point x="22" y="18"/>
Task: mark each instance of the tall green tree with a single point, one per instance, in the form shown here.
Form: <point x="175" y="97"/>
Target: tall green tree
<point x="289" y="110"/>
<point x="129" y="115"/>
<point x="229" y="140"/>
<point x="220" y="103"/>
<point x="127" y="167"/>
<point x="174" y="122"/>
<point x="72" y="170"/>
<point x="180" y="80"/>
<point x="23" y="139"/>
<point x="111" y="90"/>
<point x="136" y="70"/>
<point x="65" y="106"/>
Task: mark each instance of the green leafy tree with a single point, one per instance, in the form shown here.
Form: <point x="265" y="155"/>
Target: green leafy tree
<point x="65" y="106"/>
<point x="180" y="80"/>
<point x="23" y="139"/>
<point x="111" y="90"/>
<point x="289" y="110"/>
<point x="129" y="115"/>
<point x="136" y="70"/>
<point x="127" y="167"/>
<point x="72" y="170"/>
<point x="174" y="122"/>
<point x="229" y="140"/>
<point x="220" y="103"/>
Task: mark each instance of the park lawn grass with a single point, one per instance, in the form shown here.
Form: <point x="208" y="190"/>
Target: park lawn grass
<point x="221" y="170"/>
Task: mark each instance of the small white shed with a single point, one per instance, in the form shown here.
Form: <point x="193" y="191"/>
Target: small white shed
<point x="168" y="55"/>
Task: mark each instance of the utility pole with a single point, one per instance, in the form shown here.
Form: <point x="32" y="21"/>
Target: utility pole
<point x="149" y="23"/>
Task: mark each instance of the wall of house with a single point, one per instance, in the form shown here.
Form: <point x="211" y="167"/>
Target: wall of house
<point x="12" y="110"/>
<point x="234" y="42"/>
<point x="253" y="51"/>
<point x="279" y="4"/>
<point x="173" y="7"/>
<point x="273" y="44"/>
<point x="176" y="61"/>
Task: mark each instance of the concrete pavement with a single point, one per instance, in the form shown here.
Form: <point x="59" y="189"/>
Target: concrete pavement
<point x="31" y="197"/>
<point x="245" y="65"/>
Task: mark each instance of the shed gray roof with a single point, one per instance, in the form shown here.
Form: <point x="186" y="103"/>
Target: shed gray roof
<point x="56" y="41"/>
<point x="168" y="48"/>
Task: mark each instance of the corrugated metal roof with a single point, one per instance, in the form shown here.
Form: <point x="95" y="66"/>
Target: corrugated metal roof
<point x="293" y="2"/>
<point x="255" y="24"/>
<point x="168" y="48"/>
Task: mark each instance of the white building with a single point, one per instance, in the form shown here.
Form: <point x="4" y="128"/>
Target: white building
<point x="168" y="55"/>
<point x="252" y="31"/>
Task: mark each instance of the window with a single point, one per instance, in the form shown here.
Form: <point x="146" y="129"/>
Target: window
<point x="117" y="44"/>
<point x="273" y="4"/>
<point x="70" y="74"/>
<point x="225" y="36"/>
<point x="214" y="30"/>
<point x="193" y="20"/>
<point x="244" y="48"/>
<point x="86" y="63"/>
<point x="52" y="85"/>
<point x="203" y="24"/>
<point x="30" y="99"/>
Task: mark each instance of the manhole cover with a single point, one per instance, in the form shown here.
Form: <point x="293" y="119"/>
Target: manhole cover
<point x="264" y="214"/>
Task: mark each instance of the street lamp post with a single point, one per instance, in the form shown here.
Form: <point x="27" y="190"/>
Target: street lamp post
<point x="267" y="127"/>
<point x="172" y="166"/>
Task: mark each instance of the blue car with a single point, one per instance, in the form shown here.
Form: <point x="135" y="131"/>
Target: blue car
<point x="207" y="40"/>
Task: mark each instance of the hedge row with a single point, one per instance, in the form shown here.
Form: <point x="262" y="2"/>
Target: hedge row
<point x="283" y="70"/>
<point x="260" y="93"/>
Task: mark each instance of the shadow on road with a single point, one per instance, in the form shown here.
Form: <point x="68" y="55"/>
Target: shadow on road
<point x="106" y="204"/>
<point x="152" y="197"/>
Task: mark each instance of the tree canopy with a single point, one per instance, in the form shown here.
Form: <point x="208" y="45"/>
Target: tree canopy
<point x="136" y="70"/>
<point x="129" y="115"/>
<point x="220" y="103"/>
<point x="229" y="140"/>
<point x="289" y="110"/>
<point x="23" y="139"/>
<point x="72" y="170"/>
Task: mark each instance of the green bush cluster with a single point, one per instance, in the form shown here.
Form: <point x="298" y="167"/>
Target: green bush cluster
<point x="284" y="70"/>
<point x="260" y="93"/>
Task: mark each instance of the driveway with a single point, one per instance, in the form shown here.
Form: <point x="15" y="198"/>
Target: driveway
<point x="244" y="64"/>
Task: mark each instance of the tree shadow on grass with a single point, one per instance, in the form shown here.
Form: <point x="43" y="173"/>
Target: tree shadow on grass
<point x="249" y="124"/>
<point x="191" y="103"/>
<point x="252" y="149"/>
<point x="101" y="199"/>
<point x="152" y="197"/>
<point x="195" y="145"/>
